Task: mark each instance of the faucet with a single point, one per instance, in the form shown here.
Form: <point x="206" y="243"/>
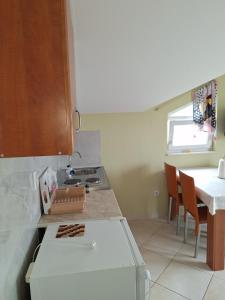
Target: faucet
<point x="71" y="157"/>
<point x="78" y="153"/>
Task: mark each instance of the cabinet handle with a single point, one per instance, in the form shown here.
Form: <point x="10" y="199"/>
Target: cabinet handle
<point x="79" y="120"/>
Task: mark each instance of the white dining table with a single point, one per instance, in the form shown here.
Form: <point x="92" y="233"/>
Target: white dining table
<point x="211" y="190"/>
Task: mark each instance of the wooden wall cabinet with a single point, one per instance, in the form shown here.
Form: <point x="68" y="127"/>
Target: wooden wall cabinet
<point x="37" y="84"/>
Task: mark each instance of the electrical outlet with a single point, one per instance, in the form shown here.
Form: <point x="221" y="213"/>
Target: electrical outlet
<point x="156" y="193"/>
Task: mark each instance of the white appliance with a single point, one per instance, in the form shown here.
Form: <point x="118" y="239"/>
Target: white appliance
<point x="103" y="264"/>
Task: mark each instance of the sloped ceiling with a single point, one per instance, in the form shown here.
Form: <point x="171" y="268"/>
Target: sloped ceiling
<point x="132" y="55"/>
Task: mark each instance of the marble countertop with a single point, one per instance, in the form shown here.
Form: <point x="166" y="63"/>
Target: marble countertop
<point x="100" y="204"/>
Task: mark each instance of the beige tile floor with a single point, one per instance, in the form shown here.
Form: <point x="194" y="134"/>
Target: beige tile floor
<point x="175" y="274"/>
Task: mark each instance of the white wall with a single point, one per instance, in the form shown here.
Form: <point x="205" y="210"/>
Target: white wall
<point x="134" y="54"/>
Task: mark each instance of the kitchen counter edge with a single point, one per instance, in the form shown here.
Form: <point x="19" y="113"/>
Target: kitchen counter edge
<point x="100" y="204"/>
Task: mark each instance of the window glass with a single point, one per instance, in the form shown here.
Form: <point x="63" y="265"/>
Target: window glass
<point x="188" y="135"/>
<point x="184" y="135"/>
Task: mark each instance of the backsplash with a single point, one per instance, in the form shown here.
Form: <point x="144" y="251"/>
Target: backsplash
<point x="19" y="215"/>
<point x="88" y="144"/>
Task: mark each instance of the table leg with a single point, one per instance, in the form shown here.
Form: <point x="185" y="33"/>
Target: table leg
<point x="215" y="240"/>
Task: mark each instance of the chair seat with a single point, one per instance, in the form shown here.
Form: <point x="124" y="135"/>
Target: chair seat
<point x="180" y="199"/>
<point x="202" y="212"/>
<point x="199" y="201"/>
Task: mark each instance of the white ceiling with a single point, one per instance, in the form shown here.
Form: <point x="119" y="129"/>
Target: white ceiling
<point x="135" y="54"/>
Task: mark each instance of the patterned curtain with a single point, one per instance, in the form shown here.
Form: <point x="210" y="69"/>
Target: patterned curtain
<point x="204" y="106"/>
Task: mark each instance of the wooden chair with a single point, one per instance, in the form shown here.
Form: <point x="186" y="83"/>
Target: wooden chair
<point x="174" y="195"/>
<point x="199" y="213"/>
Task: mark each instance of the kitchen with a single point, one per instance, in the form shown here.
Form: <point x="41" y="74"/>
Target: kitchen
<point x="133" y="151"/>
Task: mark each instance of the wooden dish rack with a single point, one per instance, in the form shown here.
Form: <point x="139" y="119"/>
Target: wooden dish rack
<point x="68" y="200"/>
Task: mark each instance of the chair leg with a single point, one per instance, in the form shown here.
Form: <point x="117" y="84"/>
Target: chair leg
<point x="197" y="242"/>
<point x="178" y="222"/>
<point x="186" y="228"/>
<point x="169" y="209"/>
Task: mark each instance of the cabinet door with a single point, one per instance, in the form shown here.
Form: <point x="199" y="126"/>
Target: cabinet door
<point x="36" y="89"/>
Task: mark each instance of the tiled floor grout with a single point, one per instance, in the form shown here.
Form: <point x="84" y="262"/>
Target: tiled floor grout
<point x="172" y="259"/>
<point x="208" y="285"/>
<point x="173" y="291"/>
<point x="172" y="256"/>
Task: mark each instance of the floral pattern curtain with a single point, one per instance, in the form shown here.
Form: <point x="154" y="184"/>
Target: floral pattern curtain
<point x="204" y="106"/>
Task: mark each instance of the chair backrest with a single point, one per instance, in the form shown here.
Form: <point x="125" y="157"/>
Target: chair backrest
<point x="171" y="180"/>
<point x="189" y="194"/>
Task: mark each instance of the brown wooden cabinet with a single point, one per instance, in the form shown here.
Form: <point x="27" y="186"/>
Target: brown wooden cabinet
<point x="37" y="97"/>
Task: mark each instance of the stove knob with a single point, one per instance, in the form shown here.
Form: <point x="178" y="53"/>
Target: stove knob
<point x="68" y="169"/>
<point x="72" y="172"/>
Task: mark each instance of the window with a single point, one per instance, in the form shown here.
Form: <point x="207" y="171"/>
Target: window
<point x="184" y="135"/>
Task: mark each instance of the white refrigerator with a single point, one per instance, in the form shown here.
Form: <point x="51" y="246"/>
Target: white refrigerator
<point x="101" y="262"/>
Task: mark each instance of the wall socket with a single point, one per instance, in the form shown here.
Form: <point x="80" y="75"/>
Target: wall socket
<point x="156" y="193"/>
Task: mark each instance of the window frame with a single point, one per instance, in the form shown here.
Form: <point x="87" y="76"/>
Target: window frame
<point x="185" y="120"/>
